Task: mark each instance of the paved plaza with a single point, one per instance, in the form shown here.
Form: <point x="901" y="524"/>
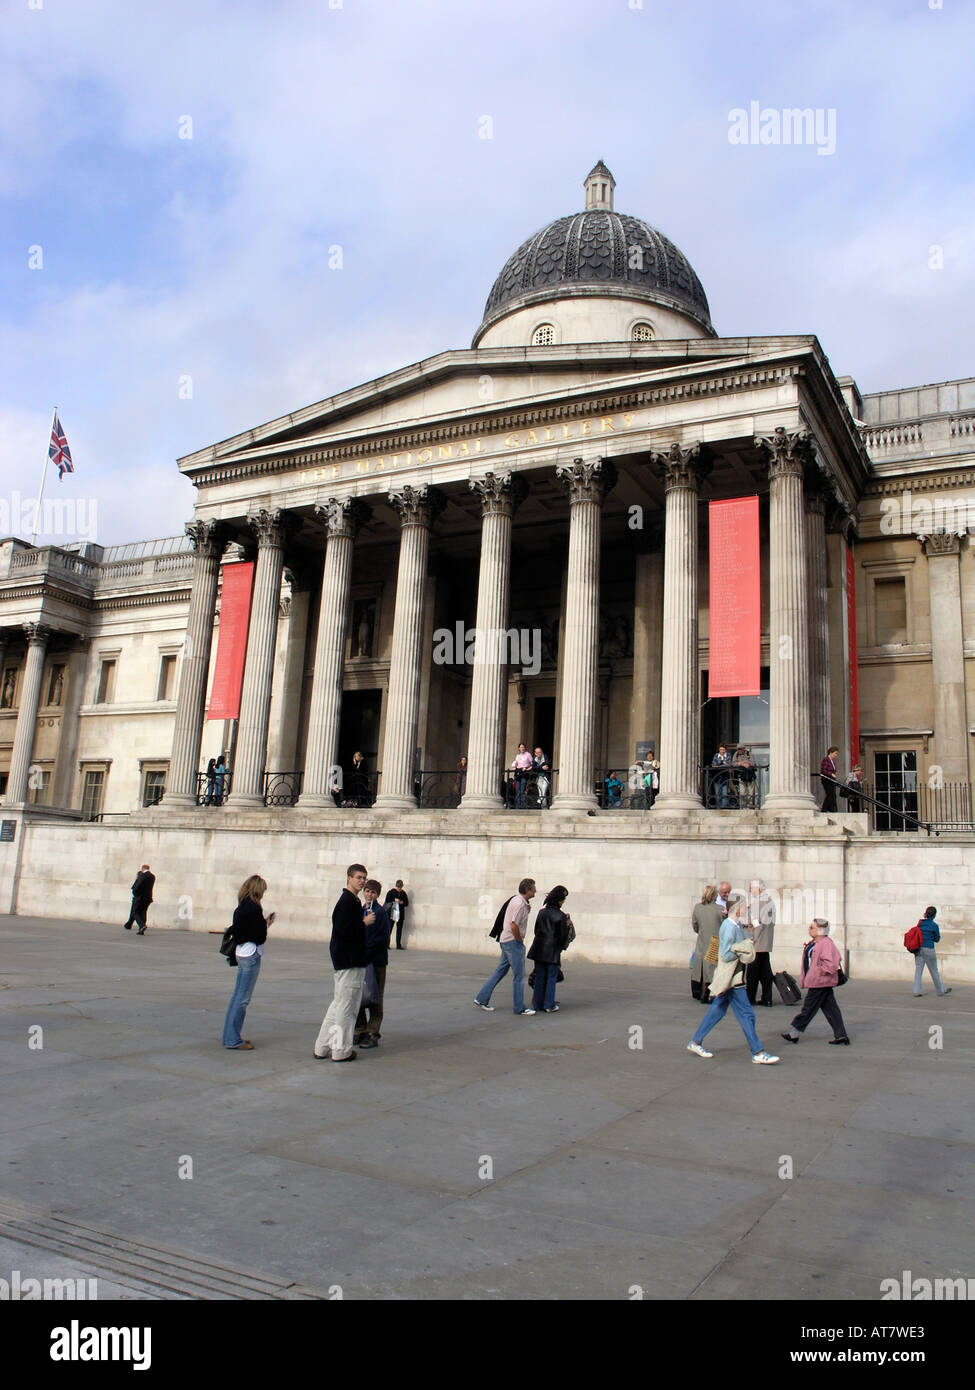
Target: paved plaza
<point x="473" y="1155"/>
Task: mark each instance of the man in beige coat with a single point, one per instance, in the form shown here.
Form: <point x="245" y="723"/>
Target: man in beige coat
<point x="761" y="916"/>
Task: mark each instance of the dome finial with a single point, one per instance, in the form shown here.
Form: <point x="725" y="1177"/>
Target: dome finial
<point x="599" y="187"/>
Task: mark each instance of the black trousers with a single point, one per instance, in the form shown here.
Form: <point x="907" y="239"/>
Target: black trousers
<point x="759" y="972"/>
<point x="138" y="915"/>
<point x="815" y="1000"/>
<point x="829" y="795"/>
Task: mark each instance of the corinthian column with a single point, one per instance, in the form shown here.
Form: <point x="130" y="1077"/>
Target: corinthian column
<point x="820" y="732"/>
<point x="947" y="655"/>
<point x="417" y="508"/>
<point x="587" y="484"/>
<point x="342" y="522"/>
<point x="500" y="496"/>
<point x="789" y="770"/>
<point x="682" y="471"/>
<point x="209" y="539"/>
<point x="270" y="527"/>
<point x="30" y="699"/>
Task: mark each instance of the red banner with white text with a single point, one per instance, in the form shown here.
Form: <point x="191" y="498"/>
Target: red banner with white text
<point x="735" y="640"/>
<point x="235" y="609"/>
<point x="851" y="638"/>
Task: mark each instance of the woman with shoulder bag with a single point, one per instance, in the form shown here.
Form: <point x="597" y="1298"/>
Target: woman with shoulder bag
<point x="706" y="921"/>
<point x="735" y="951"/>
<point x="248" y="934"/>
<point x="553" y="933"/>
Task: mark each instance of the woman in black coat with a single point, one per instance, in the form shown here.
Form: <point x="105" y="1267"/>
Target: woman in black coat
<point x="553" y="932"/>
<point x="249" y="929"/>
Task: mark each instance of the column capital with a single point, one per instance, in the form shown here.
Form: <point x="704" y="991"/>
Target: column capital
<point x="343" y="518"/>
<point x="789" y="454"/>
<point x="271" y="526"/>
<point x="941" y="543"/>
<point x="209" y="537"/>
<point x="501" y="494"/>
<point x="683" y="467"/>
<point x="417" y="506"/>
<point x="37" y="634"/>
<point x="840" y="520"/>
<point x="586" y="482"/>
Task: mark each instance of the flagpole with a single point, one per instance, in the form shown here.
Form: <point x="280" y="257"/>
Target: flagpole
<point x="40" y="496"/>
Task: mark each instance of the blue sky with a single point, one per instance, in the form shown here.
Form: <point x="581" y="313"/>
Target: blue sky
<point x="357" y="125"/>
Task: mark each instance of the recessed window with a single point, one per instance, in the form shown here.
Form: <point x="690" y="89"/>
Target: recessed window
<point x="642" y="333"/>
<point x="167" y="679"/>
<point x="91" y="794"/>
<point x="39" y="786"/>
<point x="106" y="683"/>
<point x="544" y="335"/>
<point x="153" y="786"/>
<point x="890" y="611"/>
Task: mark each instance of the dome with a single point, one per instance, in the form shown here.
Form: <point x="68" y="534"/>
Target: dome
<point x="598" y="252"/>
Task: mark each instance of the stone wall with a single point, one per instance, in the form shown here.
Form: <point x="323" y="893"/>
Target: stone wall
<point x="633" y="883"/>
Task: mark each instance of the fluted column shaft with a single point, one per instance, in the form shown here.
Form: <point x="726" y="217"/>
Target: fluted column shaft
<point x="342" y="520"/>
<point x="255" y="702"/>
<point x="417" y="509"/>
<point x="30" y="699"/>
<point x="682" y="471"/>
<point x="820" y="733"/>
<point x="951" y="718"/>
<point x="789" y="771"/>
<point x="586" y="484"/>
<point x="208" y="538"/>
<point x="500" y="496"/>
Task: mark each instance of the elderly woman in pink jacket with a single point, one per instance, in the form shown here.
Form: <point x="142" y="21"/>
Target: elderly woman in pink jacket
<point x="819" y="976"/>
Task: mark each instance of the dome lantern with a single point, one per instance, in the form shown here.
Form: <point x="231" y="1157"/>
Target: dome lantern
<point x="599" y="187"/>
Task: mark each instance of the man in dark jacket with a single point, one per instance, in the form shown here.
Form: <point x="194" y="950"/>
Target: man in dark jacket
<point x="827" y="778"/>
<point x="370" y="1018"/>
<point x="348" y="952"/>
<point x="141" y="898"/>
<point x="396" y="904"/>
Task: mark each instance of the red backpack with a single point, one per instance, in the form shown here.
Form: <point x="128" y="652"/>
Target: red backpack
<point x="913" y="940"/>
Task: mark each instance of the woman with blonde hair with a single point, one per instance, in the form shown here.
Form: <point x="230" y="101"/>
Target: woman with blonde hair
<point x="706" y="921"/>
<point x="249" y="933"/>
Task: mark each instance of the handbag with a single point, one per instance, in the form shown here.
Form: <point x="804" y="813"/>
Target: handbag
<point x="841" y="977"/>
<point x="228" y="947"/>
<point x="370" y="989"/>
<point x="711" y="955"/>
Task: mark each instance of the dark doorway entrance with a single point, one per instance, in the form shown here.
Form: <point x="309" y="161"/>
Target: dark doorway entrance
<point x="359" y="728"/>
<point x="543" y="733"/>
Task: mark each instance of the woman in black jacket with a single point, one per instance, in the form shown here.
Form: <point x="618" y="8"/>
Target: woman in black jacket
<point x="249" y="929"/>
<point x="553" y="932"/>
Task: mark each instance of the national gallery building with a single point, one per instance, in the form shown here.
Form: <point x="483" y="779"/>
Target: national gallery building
<point x="603" y="532"/>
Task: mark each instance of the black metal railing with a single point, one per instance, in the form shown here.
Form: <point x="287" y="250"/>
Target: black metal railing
<point x="622" y="789"/>
<point x="282" y="788"/>
<point x="529" y="790"/>
<point x="358" y="789"/>
<point x="440" y="788"/>
<point x="883" y="814"/>
<point x="212" y="791"/>
<point x="734" y="788"/>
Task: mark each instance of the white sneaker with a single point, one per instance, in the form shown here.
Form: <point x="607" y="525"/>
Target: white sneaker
<point x="764" y="1059"/>
<point x="525" y="1012"/>
<point x="488" y="1008"/>
<point x="696" y="1047"/>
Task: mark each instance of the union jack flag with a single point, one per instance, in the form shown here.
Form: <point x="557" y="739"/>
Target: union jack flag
<point x="58" y="451"/>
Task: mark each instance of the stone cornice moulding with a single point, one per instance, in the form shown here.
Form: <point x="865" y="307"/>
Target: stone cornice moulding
<point x="922" y="482"/>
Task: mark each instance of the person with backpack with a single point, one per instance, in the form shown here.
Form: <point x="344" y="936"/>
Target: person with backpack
<point x="248" y="933"/>
<point x="924" y="953"/>
<point x="820" y="974"/>
<point x="553" y="933"/>
<point x="509" y="932"/>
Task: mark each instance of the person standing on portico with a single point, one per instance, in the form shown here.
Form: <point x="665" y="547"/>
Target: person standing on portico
<point x="827" y="770"/>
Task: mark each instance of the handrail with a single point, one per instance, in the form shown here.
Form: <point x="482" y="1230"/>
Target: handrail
<point x="882" y="805"/>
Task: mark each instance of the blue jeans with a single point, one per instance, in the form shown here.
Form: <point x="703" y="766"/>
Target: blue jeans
<point x="737" y="1000"/>
<point x="927" y="956"/>
<point x="512" y="958"/>
<point x="546" y="977"/>
<point x="521" y="782"/>
<point x="247" y="972"/>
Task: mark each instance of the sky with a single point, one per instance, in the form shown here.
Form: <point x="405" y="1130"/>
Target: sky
<point x="215" y="213"/>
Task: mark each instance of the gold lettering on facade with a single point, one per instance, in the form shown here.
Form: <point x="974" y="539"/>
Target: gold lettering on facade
<point x="548" y="432"/>
<point x="462" y="450"/>
<point x="586" y="427"/>
<point x="511" y="441"/>
<point x="627" y="420"/>
<point x="362" y="465"/>
<point x="531" y="437"/>
<point x="445" y="451"/>
<point x="336" y="470"/>
<point x="607" y="424"/>
<point x="421" y="452"/>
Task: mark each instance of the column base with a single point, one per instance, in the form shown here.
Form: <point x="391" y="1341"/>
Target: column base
<point x="315" y="801"/>
<point x="667" y="803"/>
<point x="395" y="803"/>
<point x="790" y="803"/>
<point x="566" y="802"/>
<point x="242" y="801"/>
<point x="179" y="801"/>
<point x="475" y="801"/>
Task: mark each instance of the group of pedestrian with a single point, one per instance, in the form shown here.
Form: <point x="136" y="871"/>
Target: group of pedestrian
<point x="851" y="791"/>
<point x="530" y="769"/>
<point x="553" y="933"/>
<point x="733" y="777"/>
<point x="215" y="776"/>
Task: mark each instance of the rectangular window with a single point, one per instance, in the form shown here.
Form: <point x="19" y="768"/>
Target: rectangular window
<point x="890" y="611"/>
<point x="895" y="777"/>
<point x="39" y="786"/>
<point x="106" y="683"/>
<point x="153" y="787"/>
<point x="55" y="686"/>
<point x="91" y="793"/>
<point x="167" y="679"/>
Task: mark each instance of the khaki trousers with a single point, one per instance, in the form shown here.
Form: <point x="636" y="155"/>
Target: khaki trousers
<point x="338" y="1025"/>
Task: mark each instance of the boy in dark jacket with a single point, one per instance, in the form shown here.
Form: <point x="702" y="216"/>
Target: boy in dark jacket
<point x="370" y="1018"/>
<point x="348" y="952"/>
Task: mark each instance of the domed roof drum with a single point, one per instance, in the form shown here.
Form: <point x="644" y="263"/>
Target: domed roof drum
<point x="593" y="251"/>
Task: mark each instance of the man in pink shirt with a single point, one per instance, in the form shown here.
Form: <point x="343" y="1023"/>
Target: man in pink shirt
<point x="512" y="943"/>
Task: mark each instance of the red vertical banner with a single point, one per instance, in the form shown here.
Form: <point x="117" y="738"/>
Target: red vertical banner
<point x="735" y="641"/>
<point x="851" y="649"/>
<point x="235" y="610"/>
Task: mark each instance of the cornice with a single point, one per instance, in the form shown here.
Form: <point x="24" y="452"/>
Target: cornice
<point x="922" y="482"/>
<point x="141" y="600"/>
<point x="705" y="386"/>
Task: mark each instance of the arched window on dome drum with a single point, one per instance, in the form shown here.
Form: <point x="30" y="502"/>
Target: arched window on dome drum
<point x="544" y="335"/>
<point x="642" y="333"/>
